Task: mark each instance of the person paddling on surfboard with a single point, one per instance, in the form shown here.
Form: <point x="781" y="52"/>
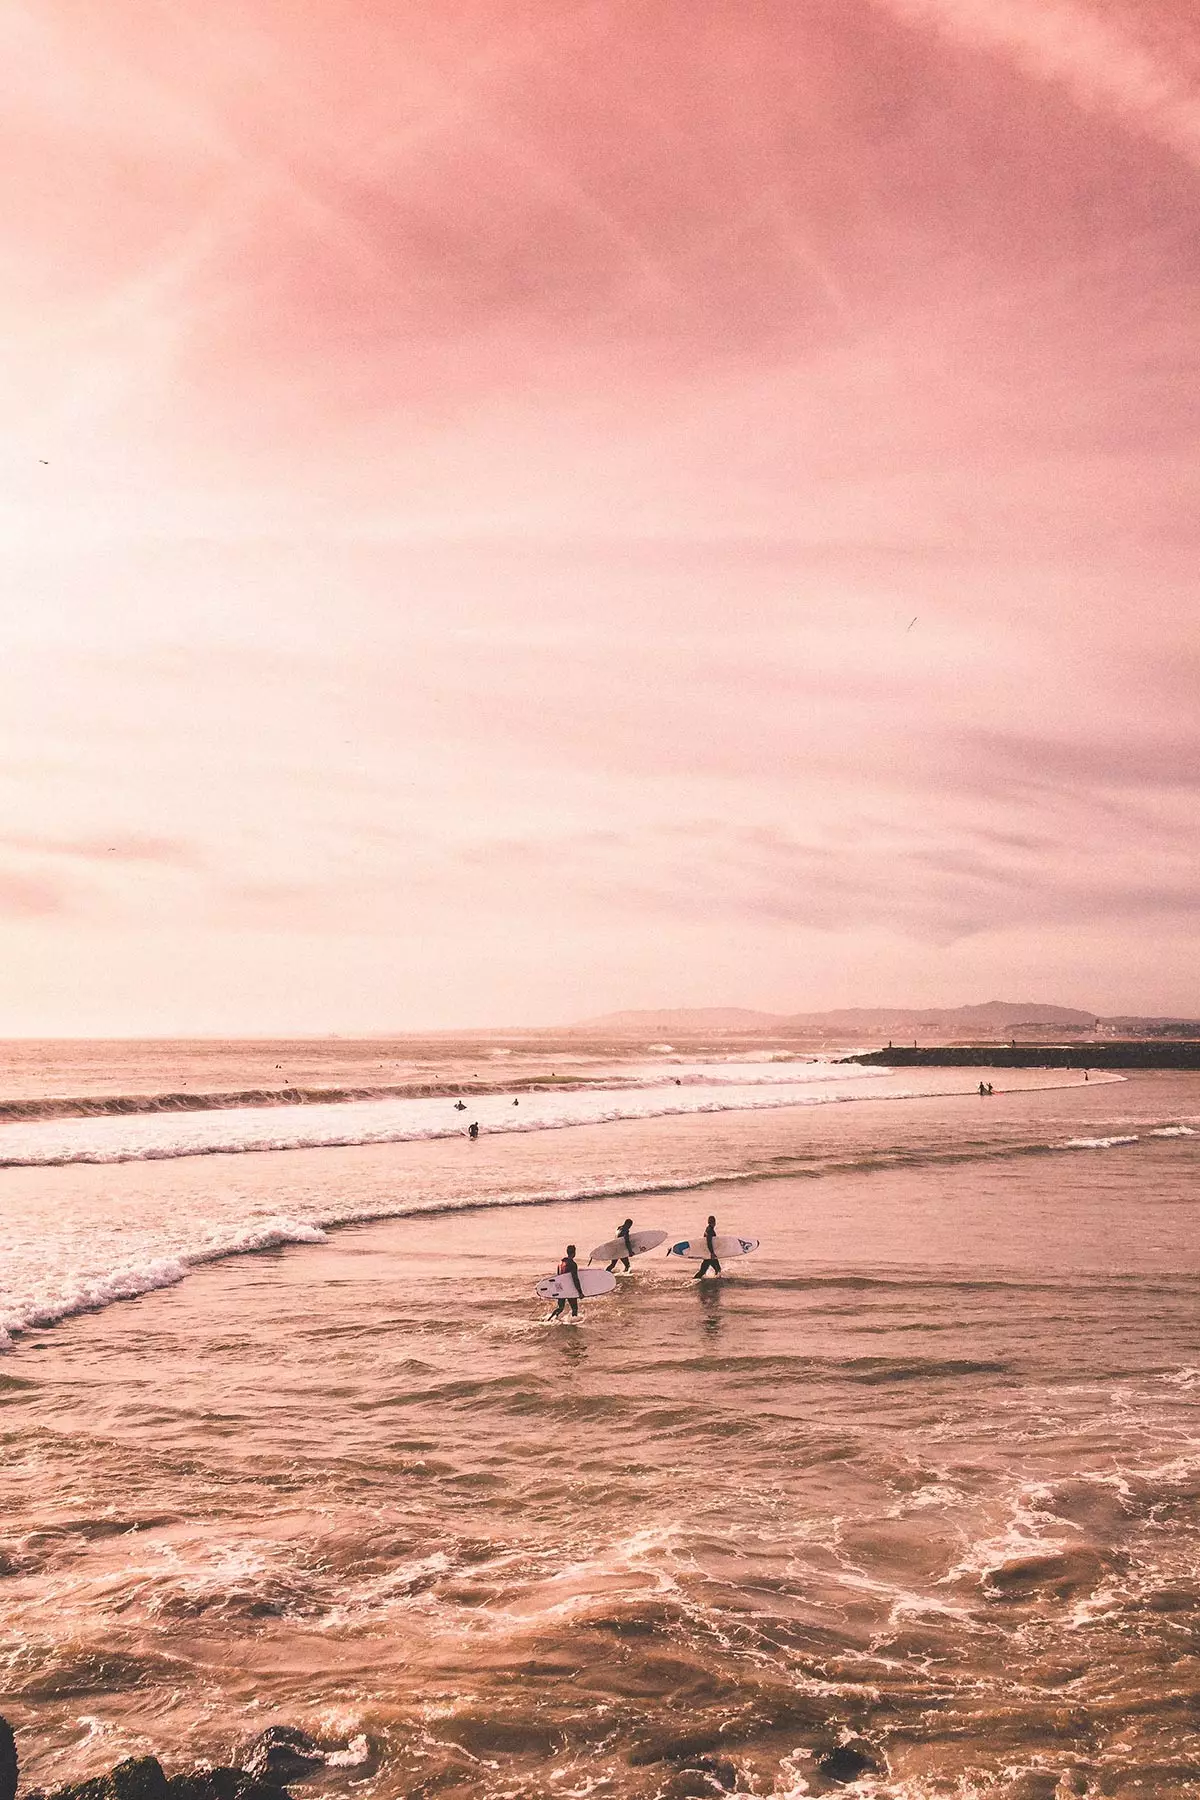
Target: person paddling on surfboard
<point x="623" y="1232"/>
<point x="568" y="1266"/>
<point x="710" y="1261"/>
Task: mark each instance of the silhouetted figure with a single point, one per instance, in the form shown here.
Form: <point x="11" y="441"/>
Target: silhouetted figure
<point x="982" y="1089"/>
<point x="623" y="1233"/>
<point x="460" y="1106"/>
<point x="473" y="1129"/>
<point x="568" y="1266"/>
<point x="710" y="1261"/>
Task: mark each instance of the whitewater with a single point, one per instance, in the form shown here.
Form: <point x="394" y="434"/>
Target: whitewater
<point x="287" y="1440"/>
<point x="85" y="1258"/>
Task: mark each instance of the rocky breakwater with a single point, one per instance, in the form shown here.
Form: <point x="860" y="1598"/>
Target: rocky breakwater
<point x="283" y="1754"/>
<point x="278" y="1755"/>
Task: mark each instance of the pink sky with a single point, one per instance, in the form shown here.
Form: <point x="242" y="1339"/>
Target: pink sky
<point x="493" y="456"/>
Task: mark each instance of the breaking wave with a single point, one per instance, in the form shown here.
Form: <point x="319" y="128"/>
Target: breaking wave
<point x="128" y="1281"/>
<point x="1099" y="1143"/>
<point x="165" y="1134"/>
<point x="769" y="1073"/>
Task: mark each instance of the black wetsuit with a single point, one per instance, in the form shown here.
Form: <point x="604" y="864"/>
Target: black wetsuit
<point x="623" y="1234"/>
<point x="568" y="1266"/>
<point x="710" y="1261"/>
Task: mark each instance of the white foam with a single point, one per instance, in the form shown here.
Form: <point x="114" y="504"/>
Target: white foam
<point x="92" y="1293"/>
<point x="1098" y="1143"/>
<point x="151" y="1137"/>
<point x="58" y="1266"/>
<point x="130" y="1280"/>
<point x="1173" y="1131"/>
<point x="357" y="1752"/>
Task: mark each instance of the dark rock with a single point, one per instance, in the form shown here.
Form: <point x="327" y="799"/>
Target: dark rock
<point x="137" y="1778"/>
<point x="283" y="1753"/>
<point x="222" y="1784"/>
<point x="847" y="1763"/>
<point x="8" y="1761"/>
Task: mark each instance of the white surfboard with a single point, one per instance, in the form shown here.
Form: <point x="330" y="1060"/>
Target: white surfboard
<point x="561" y="1287"/>
<point x="726" y="1248"/>
<point x="641" y="1241"/>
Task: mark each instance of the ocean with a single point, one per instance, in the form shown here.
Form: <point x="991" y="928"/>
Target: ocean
<point x="286" y="1437"/>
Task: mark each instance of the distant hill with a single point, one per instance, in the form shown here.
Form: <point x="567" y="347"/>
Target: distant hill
<point x="956" y="1021"/>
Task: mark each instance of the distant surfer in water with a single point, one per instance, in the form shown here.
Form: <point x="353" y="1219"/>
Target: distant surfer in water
<point x="623" y="1233"/>
<point x="473" y="1130"/>
<point x="568" y="1266"/>
<point x="460" y="1106"/>
<point x="710" y="1261"/>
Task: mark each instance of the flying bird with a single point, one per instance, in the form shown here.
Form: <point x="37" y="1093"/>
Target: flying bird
<point x="911" y="623"/>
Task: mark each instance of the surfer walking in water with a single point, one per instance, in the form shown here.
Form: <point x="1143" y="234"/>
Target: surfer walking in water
<point x="623" y="1232"/>
<point x="568" y="1266"/>
<point x="710" y="1261"/>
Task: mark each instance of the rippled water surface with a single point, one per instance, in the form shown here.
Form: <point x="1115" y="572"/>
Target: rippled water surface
<point x="925" y="1471"/>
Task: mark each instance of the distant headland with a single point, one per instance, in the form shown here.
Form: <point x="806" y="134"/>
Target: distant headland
<point x="947" y="1026"/>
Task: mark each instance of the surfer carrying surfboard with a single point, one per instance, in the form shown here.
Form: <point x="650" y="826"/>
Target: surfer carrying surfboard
<point x="623" y="1232"/>
<point x="711" y="1261"/>
<point x="568" y="1266"/>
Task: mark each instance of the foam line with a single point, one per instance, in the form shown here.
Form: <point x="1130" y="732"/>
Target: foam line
<point x="185" y="1100"/>
<point x="128" y="1281"/>
<point x="160" y="1137"/>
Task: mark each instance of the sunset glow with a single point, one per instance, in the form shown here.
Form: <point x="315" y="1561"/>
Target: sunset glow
<point x="512" y="510"/>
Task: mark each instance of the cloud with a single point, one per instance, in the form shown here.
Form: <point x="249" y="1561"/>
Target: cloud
<point x="116" y="847"/>
<point x="1085" y="50"/>
<point x="30" y="896"/>
<point x="939" y="882"/>
<point x="689" y="477"/>
<point x="1097" y="763"/>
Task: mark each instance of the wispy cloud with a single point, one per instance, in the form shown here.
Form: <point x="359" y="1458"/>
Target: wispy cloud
<point x="1098" y="55"/>
<point x="117" y="847"/>
<point x="31" y="896"/>
<point x="593" y="487"/>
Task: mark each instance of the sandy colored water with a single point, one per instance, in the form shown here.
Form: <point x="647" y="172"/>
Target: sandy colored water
<point x="925" y="1470"/>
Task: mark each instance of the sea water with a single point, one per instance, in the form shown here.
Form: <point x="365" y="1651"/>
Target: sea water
<point x="285" y="1436"/>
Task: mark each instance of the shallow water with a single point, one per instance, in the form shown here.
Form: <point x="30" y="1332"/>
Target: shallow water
<point x="925" y="1469"/>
